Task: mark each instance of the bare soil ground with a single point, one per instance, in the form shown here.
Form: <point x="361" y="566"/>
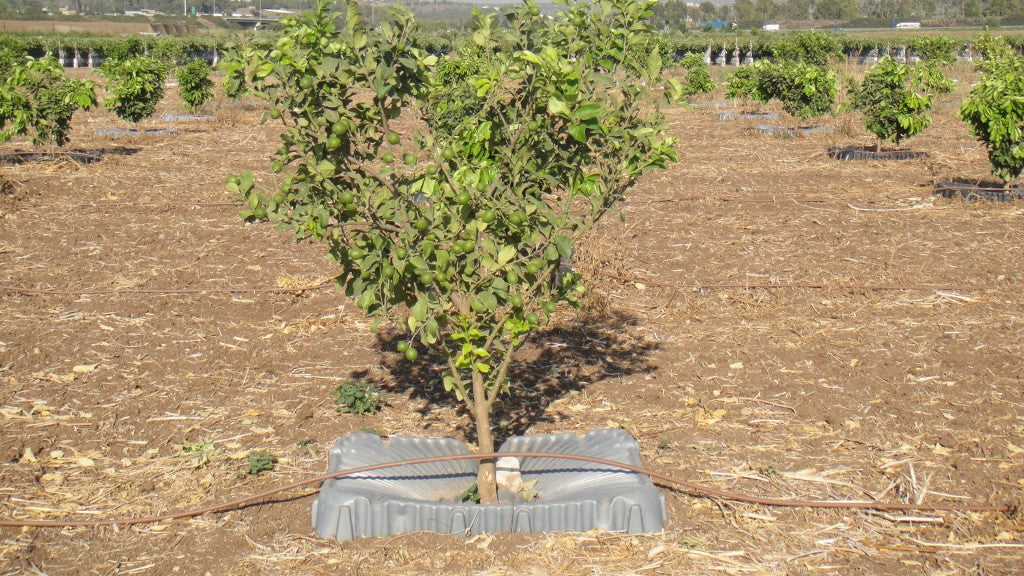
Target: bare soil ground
<point x="765" y="320"/>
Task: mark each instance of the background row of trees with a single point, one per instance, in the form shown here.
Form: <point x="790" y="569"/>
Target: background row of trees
<point x="671" y="45"/>
<point x="674" y="14"/>
<point x="667" y="13"/>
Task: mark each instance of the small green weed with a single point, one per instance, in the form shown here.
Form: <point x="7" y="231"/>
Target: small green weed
<point x="471" y="494"/>
<point x="202" y="452"/>
<point x="771" y="469"/>
<point x="357" y="397"/>
<point x="260" y="461"/>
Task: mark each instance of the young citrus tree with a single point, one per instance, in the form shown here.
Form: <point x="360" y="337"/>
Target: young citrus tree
<point x="456" y="230"/>
<point x="194" y="83"/>
<point x="698" y="78"/>
<point x="135" y="84"/>
<point x="805" y="91"/>
<point x="995" y="108"/>
<point x="894" y="99"/>
<point x="38" y="100"/>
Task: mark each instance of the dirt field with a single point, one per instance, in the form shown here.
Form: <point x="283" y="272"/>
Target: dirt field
<point x="765" y="320"/>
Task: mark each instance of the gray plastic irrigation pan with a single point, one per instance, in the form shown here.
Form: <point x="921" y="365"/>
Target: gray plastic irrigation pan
<point x="573" y="496"/>
<point x="132" y="132"/>
<point x="772" y="130"/>
<point x="187" y="118"/>
<point x="748" y="116"/>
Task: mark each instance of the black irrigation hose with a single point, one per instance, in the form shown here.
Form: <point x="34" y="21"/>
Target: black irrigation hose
<point x="691" y="488"/>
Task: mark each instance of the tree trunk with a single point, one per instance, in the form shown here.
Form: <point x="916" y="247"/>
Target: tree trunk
<point x="485" y="480"/>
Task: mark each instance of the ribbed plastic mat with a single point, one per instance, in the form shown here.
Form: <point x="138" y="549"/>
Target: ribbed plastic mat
<point x="573" y="496"/>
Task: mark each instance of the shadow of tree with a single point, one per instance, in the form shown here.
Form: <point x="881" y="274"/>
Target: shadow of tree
<point x="564" y="358"/>
<point x="79" y="156"/>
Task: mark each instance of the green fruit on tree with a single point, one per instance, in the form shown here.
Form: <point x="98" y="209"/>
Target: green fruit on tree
<point x="340" y="128"/>
<point x="401" y="253"/>
<point x="387" y="157"/>
<point x="346" y="197"/>
<point x="532" y="318"/>
<point x="488" y="216"/>
<point x="274" y="113"/>
<point x="333" y="143"/>
<point x="357" y="253"/>
<point x="409" y="158"/>
<point x="422" y="224"/>
<point x="259" y="213"/>
<point x="394" y="138"/>
<point x="511" y="277"/>
<point x="411" y="354"/>
<point x="463" y="198"/>
<point x="306" y="82"/>
<point x="403" y="345"/>
<point x="516" y="301"/>
<point x="516" y="218"/>
<point x="549" y="307"/>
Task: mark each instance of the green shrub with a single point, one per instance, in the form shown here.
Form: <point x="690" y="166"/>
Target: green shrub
<point x="698" y="77"/>
<point x="37" y="100"/>
<point x="744" y="83"/>
<point x="136" y="86"/>
<point x="357" y="397"/>
<point x="813" y="48"/>
<point x="259" y="461"/>
<point x="995" y="108"/>
<point x="460" y="242"/>
<point x="805" y="91"/>
<point x="194" y="84"/>
<point x="937" y="50"/>
<point x="894" y="99"/>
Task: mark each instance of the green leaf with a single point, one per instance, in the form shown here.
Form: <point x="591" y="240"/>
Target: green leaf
<point x="564" y="245"/>
<point x="419" y="310"/>
<point x="431" y="332"/>
<point x="654" y="64"/>
<point x="587" y="111"/>
<point x="557" y="107"/>
<point x="529" y="56"/>
<point x="505" y="255"/>
<point x="578" y="132"/>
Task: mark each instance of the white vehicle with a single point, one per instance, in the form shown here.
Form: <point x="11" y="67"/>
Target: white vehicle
<point x="907" y="25"/>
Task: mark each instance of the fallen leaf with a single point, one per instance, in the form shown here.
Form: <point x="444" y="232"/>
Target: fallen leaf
<point x="705" y="418"/>
<point x="84" y="368"/>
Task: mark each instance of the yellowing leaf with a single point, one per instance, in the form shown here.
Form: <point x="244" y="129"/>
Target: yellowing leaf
<point x="705" y="418"/>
